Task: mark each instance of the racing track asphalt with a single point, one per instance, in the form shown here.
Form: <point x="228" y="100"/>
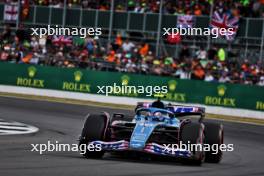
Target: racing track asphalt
<point x="63" y="122"/>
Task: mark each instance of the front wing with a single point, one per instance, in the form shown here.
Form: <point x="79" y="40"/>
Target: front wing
<point x="152" y="148"/>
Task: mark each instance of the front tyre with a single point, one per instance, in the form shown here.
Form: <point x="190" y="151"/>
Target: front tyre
<point x="94" y="128"/>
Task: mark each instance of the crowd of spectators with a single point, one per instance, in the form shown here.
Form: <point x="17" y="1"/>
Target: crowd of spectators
<point x="124" y="55"/>
<point x="244" y="8"/>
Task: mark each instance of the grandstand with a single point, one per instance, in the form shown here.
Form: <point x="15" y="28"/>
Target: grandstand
<point x="132" y="39"/>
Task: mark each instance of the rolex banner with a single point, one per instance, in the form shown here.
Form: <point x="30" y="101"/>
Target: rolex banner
<point x="86" y="81"/>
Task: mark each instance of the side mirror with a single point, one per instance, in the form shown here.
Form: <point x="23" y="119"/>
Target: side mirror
<point x="118" y="115"/>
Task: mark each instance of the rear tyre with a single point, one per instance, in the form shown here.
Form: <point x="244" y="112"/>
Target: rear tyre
<point x="193" y="133"/>
<point x="94" y="129"/>
<point x="214" y="135"/>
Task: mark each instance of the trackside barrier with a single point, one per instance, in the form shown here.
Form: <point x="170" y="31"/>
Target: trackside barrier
<point x="86" y="81"/>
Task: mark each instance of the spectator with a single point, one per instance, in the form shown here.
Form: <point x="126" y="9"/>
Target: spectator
<point x="212" y="53"/>
<point x="34" y="59"/>
<point x="144" y="49"/>
<point x="252" y="8"/>
<point x="127" y="46"/>
<point x="261" y="80"/>
<point x="209" y="77"/>
<point x="221" y="55"/>
<point x="111" y="56"/>
<point x="182" y="73"/>
<point x="129" y="57"/>
<point x="201" y="54"/>
<point x="184" y="53"/>
<point x="130" y="67"/>
<point x="4" y="55"/>
<point x="224" y="78"/>
<point x="198" y="72"/>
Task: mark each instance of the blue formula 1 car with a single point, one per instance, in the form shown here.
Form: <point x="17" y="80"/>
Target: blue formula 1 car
<point x="154" y="130"/>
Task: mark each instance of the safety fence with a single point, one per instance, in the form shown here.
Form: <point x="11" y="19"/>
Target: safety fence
<point x="129" y="21"/>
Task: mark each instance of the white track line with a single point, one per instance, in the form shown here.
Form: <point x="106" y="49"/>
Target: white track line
<point x="9" y="128"/>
